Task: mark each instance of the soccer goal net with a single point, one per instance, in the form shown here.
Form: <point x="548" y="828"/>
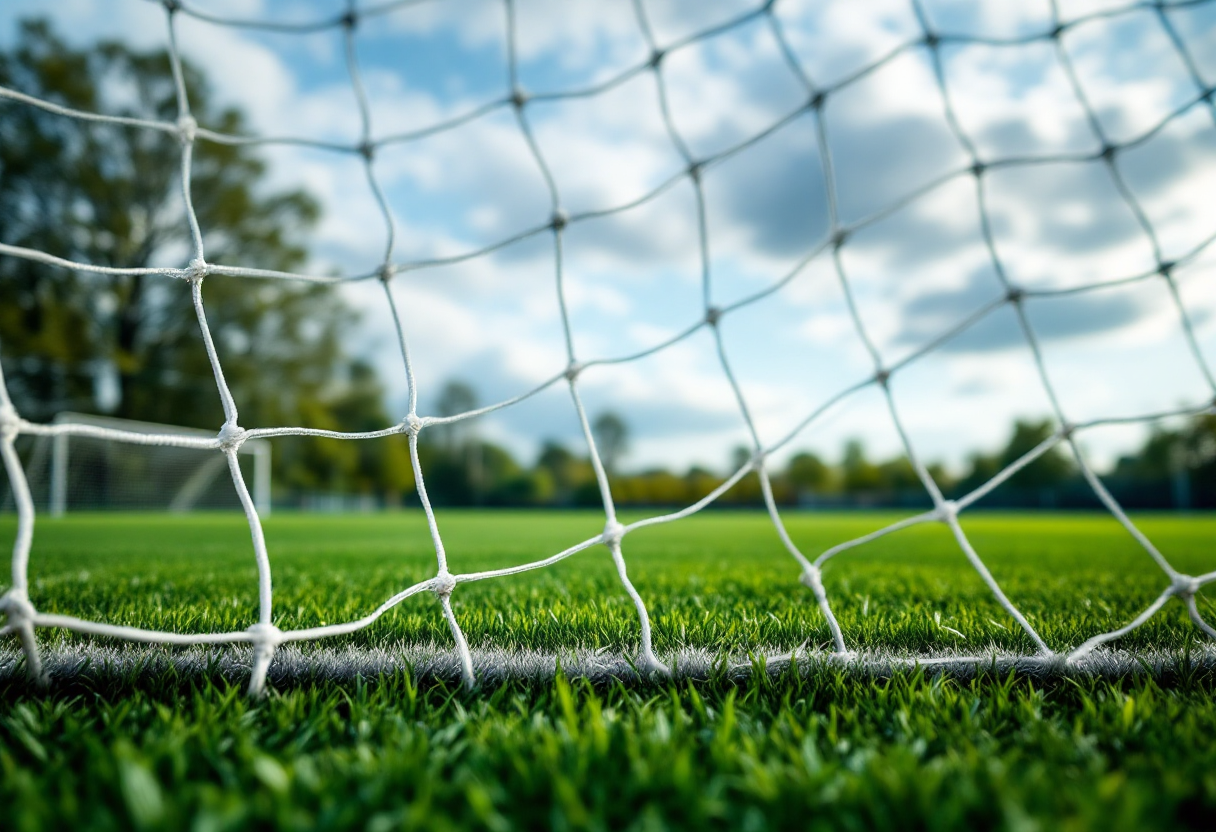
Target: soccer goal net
<point x="1107" y="149"/>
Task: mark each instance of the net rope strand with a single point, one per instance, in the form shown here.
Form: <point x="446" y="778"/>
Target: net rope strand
<point x="264" y="637"/>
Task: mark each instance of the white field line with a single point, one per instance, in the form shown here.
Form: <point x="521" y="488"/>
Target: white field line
<point x="295" y="663"/>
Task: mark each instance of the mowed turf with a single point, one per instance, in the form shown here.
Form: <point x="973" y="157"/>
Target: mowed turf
<point x="810" y="748"/>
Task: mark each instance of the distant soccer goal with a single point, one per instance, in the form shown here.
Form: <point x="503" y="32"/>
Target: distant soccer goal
<point x="91" y="471"/>
<point x="1007" y="296"/>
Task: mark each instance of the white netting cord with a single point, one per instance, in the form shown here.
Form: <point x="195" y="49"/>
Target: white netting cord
<point x="443" y="584"/>
<point x="265" y="637"/>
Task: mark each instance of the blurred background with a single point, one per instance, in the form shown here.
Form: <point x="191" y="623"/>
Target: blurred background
<point x="488" y="328"/>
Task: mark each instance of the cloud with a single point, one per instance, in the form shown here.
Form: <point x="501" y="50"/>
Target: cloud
<point x="771" y="198"/>
<point x="1074" y="316"/>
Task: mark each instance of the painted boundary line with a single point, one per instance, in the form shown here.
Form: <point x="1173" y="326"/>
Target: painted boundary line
<point x="302" y="664"/>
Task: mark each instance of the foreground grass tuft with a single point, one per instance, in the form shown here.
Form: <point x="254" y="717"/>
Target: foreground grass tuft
<point x="824" y="751"/>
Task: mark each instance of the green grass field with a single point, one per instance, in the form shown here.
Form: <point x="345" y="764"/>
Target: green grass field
<point x="803" y="748"/>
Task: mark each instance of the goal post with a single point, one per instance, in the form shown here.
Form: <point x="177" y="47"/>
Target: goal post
<point x="88" y="472"/>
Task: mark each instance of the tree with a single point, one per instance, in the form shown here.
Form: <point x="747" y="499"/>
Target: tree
<point x="1051" y="469"/>
<point x="1182" y="460"/>
<point x="611" y="438"/>
<point x="806" y="472"/>
<point x="699" y="482"/>
<point x="857" y="472"/>
<point x="567" y="473"/>
<point x="456" y="397"/>
<point x="378" y="465"/>
<point x="747" y="490"/>
<point x="980" y="468"/>
<point x="110" y="195"/>
<point x="897" y="475"/>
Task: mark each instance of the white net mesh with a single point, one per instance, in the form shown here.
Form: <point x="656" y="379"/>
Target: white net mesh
<point x="265" y="637"/>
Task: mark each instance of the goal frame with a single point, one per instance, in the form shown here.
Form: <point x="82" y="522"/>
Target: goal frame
<point x="258" y="450"/>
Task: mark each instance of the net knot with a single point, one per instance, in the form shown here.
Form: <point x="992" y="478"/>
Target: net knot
<point x="172" y="6"/>
<point x="817" y="101"/>
<point x="978" y="168"/>
<point x="882" y="376"/>
<point x="16" y="604"/>
<point x="367" y="150"/>
<point x="10" y="422"/>
<point x="712" y="315"/>
<point x="694" y="170"/>
<point x="1056" y="31"/>
<point x="196" y="270"/>
<point x="231" y="437"/>
<point x="386" y="272"/>
<point x="413" y="424"/>
<point x="656" y="58"/>
<point x="265" y="637"/>
<point x="812" y="577"/>
<point x="519" y="98"/>
<point x="840" y="238"/>
<point x="1015" y="295"/>
<point x="1184" y="586"/>
<point x="443" y="584"/>
<point x="1166" y="268"/>
<point x="1067" y="430"/>
<point x="187" y="129"/>
<point x="613" y="532"/>
<point x="560" y="220"/>
<point x="933" y="40"/>
<point x="350" y="20"/>
<point x="572" y="372"/>
<point x="1108" y="152"/>
<point x="947" y="511"/>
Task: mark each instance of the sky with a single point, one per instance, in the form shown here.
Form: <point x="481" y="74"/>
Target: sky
<point x="916" y="267"/>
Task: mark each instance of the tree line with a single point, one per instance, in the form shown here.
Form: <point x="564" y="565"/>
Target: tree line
<point x="1174" y="468"/>
<point x="128" y="346"/>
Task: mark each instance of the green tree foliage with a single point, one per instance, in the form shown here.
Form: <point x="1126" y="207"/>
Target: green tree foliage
<point x="1182" y="460"/>
<point x="858" y="473"/>
<point x="463" y="469"/>
<point x="567" y="471"/>
<point x="1166" y="452"/>
<point x="898" y="475"/>
<point x="808" y="473"/>
<point x="356" y="404"/>
<point x="1051" y="470"/>
<point x="130" y="345"/>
